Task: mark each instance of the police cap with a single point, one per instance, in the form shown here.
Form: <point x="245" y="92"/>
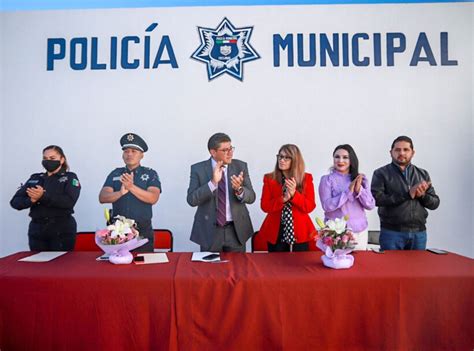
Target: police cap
<point x="131" y="140"/>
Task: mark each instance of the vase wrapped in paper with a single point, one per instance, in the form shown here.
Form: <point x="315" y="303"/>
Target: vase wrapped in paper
<point x="337" y="242"/>
<point x="118" y="239"/>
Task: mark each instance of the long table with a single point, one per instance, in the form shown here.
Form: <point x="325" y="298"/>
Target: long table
<point x="401" y="300"/>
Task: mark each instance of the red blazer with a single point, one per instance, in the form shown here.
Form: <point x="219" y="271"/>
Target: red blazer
<point x="302" y="204"/>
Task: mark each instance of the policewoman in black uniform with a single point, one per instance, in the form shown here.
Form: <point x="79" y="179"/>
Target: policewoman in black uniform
<point x="133" y="189"/>
<point x="51" y="197"/>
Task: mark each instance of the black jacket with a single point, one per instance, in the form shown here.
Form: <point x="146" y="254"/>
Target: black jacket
<point x="397" y="210"/>
<point x="61" y="193"/>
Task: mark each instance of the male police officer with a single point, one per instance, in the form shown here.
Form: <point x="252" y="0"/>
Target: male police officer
<point x="133" y="189"/>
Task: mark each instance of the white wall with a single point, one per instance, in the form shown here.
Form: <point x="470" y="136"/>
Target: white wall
<point x="176" y="110"/>
<point x="2" y="129"/>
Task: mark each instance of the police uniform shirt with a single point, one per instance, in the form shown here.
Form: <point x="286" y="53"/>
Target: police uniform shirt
<point x="61" y="191"/>
<point x="129" y="205"/>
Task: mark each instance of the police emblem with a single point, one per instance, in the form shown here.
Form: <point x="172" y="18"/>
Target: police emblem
<point x="130" y="137"/>
<point x="225" y="49"/>
<point x="145" y="177"/>
<point x="62" y="179"/>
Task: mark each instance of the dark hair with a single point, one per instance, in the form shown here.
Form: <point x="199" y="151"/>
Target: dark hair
<point x="216" y="140"/>
<point x="60" y="151"/>
<point x="402" y="138"/>
<point x="297" y="166"/>
<point x="354" y="161"/>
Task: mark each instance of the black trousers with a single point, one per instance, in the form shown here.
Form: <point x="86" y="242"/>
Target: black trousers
<point x="52" y="234"/>
<point x="146" y="231"/>
<point x="280" y="246"/>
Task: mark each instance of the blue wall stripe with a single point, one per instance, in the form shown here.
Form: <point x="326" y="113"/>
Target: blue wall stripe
<point x="24" y="5"/>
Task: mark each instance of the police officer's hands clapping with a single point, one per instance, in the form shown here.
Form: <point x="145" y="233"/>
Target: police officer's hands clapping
<point x="127" y="181"/>
<point x="35" y="193"/>
<point x="123" y="190"/>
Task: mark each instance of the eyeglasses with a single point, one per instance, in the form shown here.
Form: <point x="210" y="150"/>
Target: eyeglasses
<point x="283" y="157"/>
<point x="229" y="150"/>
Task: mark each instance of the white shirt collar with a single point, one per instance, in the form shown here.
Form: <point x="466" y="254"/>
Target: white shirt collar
<point x="214" y="162"/>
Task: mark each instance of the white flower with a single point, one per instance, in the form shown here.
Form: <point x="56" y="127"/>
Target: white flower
<point x="338" y="225"/>
<point x="129" y="222"/>
<point x="119" y="226"/>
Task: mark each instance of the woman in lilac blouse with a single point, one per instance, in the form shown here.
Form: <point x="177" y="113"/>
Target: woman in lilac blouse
<point x="346" y="192"/>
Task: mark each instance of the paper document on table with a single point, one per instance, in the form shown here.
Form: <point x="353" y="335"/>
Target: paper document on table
<point x="43" y="256"/>
<point x="206" y="256"/>
<point x="148" y="258"/>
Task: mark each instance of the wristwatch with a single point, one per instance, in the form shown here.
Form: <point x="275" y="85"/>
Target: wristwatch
<point x="239" y="191"/>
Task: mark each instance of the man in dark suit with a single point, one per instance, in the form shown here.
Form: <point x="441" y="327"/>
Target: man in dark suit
<point x="220" y="187"/>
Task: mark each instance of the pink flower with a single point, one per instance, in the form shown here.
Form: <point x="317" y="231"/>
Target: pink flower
<point x="345" y="238"/>
<point x="328" y="241"/>
<point x="102" y="233"/>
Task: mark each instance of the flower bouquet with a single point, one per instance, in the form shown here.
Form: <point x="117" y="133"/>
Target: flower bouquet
<point x="118" y="239"/>
<point x="337" y="242"/>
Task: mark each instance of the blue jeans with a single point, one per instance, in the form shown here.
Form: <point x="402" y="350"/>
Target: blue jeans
<point x="392" y="240"/>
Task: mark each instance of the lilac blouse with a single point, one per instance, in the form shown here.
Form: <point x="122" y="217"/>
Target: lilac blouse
<point x="338" y="201"/>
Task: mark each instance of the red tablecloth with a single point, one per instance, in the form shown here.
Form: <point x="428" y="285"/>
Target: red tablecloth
<point x="283" y="301"/>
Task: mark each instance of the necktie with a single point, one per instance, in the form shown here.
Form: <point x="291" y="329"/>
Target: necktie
<point x="221" y="201"/>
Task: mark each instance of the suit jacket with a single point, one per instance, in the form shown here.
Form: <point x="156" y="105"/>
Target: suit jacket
<point x="302" y="204"/>
<point x="200" y="195"/>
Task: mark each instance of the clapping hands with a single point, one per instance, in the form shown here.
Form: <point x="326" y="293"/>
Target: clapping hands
<point x="356" y="184"/>
<point x="35" y="193"/>
<point x="237" y="181"/>
<point x="290" y="184"/>
<point x="217" y="172"/>
<point x="127" y="182"/>
<point x="419" y="189"/>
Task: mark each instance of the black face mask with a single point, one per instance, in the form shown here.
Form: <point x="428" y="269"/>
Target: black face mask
<point x="51" y="165"/>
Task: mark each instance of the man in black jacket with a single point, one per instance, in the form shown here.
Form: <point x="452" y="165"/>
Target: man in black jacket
<point x="403" y="192"/>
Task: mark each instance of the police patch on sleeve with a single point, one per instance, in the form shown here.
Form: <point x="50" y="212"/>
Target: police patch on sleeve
<point x="75" y="182"/>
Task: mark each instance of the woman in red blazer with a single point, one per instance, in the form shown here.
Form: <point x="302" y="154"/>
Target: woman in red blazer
<point x="288" y="198"/>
